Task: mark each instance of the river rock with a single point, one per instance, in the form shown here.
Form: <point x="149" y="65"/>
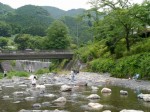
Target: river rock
<point x="45" y="104"/>
<point x="95" y="105"/>
<point x="94" y="88"/>
<point x="122" y="92"/>
<point x="124" y="110"/>
<point x="50" y="95"/>
<point x="30" y="98"/>
<point x="82" y="83"/>
<point x="37" y="105"/>
<point x="106" y="90"/>
<point x="106" y="111"/>
<point x="23" y="110"/>
<point x="146" y="98"/>
<point x="40" y="86"/>
<point x="18" y="93"/>
<point x="93" y="96"/>
<point x="60" y="99"/>
<point x="23" y="86"/>
<point x="143" y="96"/>
<point x="65" y="88"/>
<point x="6" y="97"/>
<point x="0" y="88"/>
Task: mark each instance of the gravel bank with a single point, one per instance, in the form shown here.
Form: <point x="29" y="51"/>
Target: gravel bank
<point x="105" y="79"/>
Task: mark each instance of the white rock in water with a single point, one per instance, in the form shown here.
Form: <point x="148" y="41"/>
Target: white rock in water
<point x="29" y="98"/>
<point x="95" y="105"/>
<point x="6" y="97"/>
<point x="106" y="90"/>
<point x="93" y="96"/>
<point x="49" y="95"/>
<point x="65" y="88"/>
<point x="125" y="110"/>
<point x="122" y="92"/>
<point x="146" y="98"/>
<point x="23" y="85"/>
<point x="40" y="86"/>
<point x="60" y="99"/>
<point x="94" y="88"/>
<point x="106" y="111"/>
<point x="18" y="93"/>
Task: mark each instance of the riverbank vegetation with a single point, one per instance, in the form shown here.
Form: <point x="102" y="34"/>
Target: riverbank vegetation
<point x="121" y="40"/>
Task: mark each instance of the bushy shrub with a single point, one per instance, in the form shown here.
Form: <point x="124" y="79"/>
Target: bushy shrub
<point x="130" y="65"/>
<point x="101" y="65"/>
<point x="139" y="47"/>
<point x="92" y="51"/>
<point x="42" y="71"/>
<point x="125" y="67"/>
<point x="17" y="73"/>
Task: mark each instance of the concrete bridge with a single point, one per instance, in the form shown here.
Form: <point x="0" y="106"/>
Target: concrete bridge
<point x="30" y="54"/>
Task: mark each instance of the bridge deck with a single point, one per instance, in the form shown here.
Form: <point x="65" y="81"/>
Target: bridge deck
<point x="23" y="55"/>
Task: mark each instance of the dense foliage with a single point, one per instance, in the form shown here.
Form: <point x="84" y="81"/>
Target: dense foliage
<point x="58" y="37"/>
<point x="121" y="45"/>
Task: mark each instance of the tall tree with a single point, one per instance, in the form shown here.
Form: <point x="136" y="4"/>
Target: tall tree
<point x="57" y="35"/>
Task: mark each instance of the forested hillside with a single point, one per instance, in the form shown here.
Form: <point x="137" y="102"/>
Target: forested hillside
<point x="34" y="20"/>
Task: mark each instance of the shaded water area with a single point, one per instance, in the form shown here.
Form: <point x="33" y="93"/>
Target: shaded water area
<point x="76" y="99"/>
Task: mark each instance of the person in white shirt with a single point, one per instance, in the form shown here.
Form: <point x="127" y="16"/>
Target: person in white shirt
<point x="33" y="79"/>
<point x="5" y="73"/>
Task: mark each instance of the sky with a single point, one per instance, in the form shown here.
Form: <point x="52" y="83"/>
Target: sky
<point x="61" y="4"/>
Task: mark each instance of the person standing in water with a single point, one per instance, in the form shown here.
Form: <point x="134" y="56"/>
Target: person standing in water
<point x="33" y="79"/>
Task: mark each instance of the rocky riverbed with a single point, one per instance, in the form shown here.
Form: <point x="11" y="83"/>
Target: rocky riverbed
<point x="50" y="89"/>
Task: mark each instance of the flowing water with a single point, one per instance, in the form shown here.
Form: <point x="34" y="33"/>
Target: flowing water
<point x="76" y="100"/>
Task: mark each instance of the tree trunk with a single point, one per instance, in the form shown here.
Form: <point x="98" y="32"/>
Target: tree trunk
<point x="127" y="41"/>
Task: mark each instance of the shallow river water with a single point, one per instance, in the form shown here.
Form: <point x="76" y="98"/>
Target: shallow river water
<point x="76" y="100"/>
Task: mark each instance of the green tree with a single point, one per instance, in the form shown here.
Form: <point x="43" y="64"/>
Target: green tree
<point x="120" y="20"/>
<point x="3" y="42"/>
<point x="57" y="35"/>
<point x="5" y="29"/>
<point x="22" y="40"/>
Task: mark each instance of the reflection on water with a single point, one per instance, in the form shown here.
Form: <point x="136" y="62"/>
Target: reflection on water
<point x="76" y="100"/>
